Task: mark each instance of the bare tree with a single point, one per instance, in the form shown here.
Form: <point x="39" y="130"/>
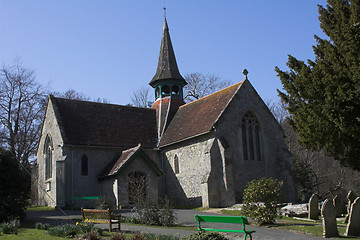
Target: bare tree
<point x="141" y="97"/>
<point x="313" y="170"/>
<point x="74" y="95"/>
<point x="278" y="109"/>
<point x="199" y="85"/>
<point x="22" y="103"/>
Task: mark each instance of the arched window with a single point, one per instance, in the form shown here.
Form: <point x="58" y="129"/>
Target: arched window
<point x="176" y="165"/>
<point x="250" y="131"/>
<point x="84" y="165"/>
<point x="157" y="92"/>
<point x="175" y="90"/>
<point x="165" y="90"/>
<point x="137" y="187"/>
<point x="48" y="148"/>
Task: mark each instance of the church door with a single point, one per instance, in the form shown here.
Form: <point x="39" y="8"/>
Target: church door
<point x="137" y="187"/>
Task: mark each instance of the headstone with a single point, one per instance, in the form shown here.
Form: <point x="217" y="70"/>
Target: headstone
<point x="314" y="207"/>
<point x="328" y="213"/>
<point x="353" y="227"/>
<point x="338" y="205"/>
<point x="351" y="198"/>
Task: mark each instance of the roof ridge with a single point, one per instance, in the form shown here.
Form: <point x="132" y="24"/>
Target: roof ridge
<point x="100" y="103"/>
<point x="211" y="94"/>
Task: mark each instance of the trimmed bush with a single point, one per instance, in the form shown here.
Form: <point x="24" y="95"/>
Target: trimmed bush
<point x="261" y="198"/>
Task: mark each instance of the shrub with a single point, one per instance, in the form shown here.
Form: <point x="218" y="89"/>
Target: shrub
<point x="42" y="226"/>
<point x="88" y="227"/>
<point x="93" y="235"/>
<point x="104" y="202"/>
<point x="152" y="214"/>
<point x="67" y="230"/>
<point x="11" y="227"/>
<point x="118" y="236"/>
<point x="202" y="235"/>
<point x="261" y="198"/>
<point x="139" y="236"/>
<point x="151" y="236"/>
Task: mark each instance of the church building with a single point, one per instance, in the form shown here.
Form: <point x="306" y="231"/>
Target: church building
<point x="201" y="153"/>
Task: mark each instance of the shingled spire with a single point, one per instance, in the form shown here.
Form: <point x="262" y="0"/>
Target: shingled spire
<point x="167" y="83"/>
<point x="167" y="68"/>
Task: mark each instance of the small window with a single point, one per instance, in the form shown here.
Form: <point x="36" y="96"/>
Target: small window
<point x="176" y="165"/>
<point x="84" y="165"/>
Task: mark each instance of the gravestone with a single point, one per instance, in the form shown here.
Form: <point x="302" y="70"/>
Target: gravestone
<point x="314" y="207"/>
<point x="353" y="227"/>
<point x="338" y="206"/>
<point x="328" y="212"/>
<point x="351" y="198"/>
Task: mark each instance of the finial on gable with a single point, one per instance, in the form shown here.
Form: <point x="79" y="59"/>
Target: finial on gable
<point x="245" y="72"/>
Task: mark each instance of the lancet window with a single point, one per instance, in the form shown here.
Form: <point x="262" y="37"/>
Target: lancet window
<point x="250" y="131"/>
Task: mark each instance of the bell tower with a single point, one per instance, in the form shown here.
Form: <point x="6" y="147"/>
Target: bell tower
<point x="167" y="83"/>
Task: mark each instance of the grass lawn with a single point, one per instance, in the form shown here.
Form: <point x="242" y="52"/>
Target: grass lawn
<point x="26" y="233"/>
<point x="300" y="225"/>
<point x="39" y="208"/>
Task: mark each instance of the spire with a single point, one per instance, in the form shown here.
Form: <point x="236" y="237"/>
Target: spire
<point x="167" y="68"/>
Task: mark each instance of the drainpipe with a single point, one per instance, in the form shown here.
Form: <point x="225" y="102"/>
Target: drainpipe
<point x="163" y="169"/>
<point x="72" y="177"/>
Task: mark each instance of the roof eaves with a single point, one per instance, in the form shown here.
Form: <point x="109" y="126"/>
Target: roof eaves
<point x="58" y="118"/>
<point x="185" y="139"/>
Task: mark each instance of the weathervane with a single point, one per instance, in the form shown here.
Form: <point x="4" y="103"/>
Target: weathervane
<point x="164" y="12"/>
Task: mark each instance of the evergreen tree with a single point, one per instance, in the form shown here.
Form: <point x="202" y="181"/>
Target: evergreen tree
<point x="323" y="96"/>
<point x="14" y="189"/>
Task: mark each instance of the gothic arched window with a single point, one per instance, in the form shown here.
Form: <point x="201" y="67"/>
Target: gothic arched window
<point x="250" y="131"/>
<point x="84" y="165"/>
<point x="48" y="148"/>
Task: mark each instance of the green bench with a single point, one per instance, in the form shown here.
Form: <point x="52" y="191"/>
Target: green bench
<point x="224" y="219"/>
<point x="82" y="198"/>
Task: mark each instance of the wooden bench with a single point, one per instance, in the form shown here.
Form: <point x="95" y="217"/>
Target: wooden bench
<point x="224" y="219"/>
<point x="101" y="216"/>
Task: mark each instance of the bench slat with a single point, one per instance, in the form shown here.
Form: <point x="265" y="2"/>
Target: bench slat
<point x="227" y="230"/>
<point x="223" y="219"/>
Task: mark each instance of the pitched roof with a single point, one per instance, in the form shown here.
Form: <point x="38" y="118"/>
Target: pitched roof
<point x="99" y="124"/>
<point x="198" y="117"/>
<point x="167" y="67"/>
<point x="127" y="156"/>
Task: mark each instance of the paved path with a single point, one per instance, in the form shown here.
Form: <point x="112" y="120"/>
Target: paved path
<point x="184" y="217"/>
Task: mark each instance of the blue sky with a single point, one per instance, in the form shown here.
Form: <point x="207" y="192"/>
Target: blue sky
<point x="108" y="48"/>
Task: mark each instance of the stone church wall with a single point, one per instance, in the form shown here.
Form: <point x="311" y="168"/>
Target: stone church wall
<point x="117" y="187"/>
<point x="275" y="160"/>
<point x="47" y="187"/>
<point x="66" y="181"/>
<point x="185" y="187"/>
